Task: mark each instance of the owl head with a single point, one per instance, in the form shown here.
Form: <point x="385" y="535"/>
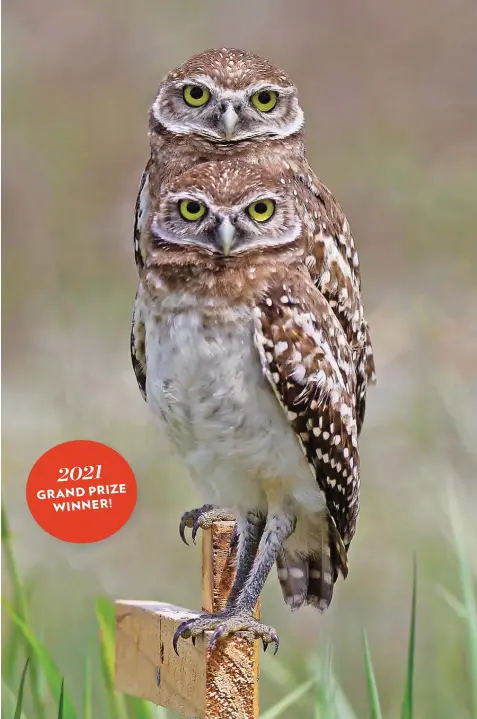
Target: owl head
<point x="224" y="210"/>
<point x="227" y="96"/>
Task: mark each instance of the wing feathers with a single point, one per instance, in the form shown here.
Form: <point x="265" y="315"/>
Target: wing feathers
<point x="308" y="363"/>
<point x="138" y="347"/>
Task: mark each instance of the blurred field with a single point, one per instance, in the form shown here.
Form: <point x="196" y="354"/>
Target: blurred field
<point x="390" y="96"/>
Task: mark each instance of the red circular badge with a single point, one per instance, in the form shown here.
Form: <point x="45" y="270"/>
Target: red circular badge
<point x="81" y="491"/>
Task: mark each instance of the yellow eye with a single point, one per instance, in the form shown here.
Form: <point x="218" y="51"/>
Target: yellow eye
<point x="191" y="210"/>
<point x="262" y="210"/>
<point x="196" y="95"/>
<point x="264" y="100"/>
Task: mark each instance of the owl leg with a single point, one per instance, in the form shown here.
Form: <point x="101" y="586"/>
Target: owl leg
<point x="279" y="526"/>
<point x="248" y="535"/>
<point x="202" y="518"/>
<point x="253" y="568"/>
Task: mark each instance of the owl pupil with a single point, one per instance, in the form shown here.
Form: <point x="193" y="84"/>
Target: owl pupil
<point x="196" y="93"/>
<point x="264" y="98"/>
<point x="260" y="208"/>
<point x="193" y="208"/>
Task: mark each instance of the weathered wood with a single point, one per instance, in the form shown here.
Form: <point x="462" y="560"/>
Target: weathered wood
<point x="232" y="668"/>
<point x="218" y="684"/>
<point x="146" y="664"/>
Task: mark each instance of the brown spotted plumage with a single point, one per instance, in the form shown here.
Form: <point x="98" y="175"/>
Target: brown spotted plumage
<point x="253" y="372"/>
<point x="229" y="125"/>
<point x="309" y="364"/>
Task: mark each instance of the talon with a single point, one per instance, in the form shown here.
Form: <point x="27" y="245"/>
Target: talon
<point x="195" y="529"/>
<point x="215" y="636"/>
<point x="174" y="642"/>
<point x="182" y="527"/>
<point x="193" y="641"/>
<point x="276" y="641"/>
<point x="265" y="645"/>
<point x="192" y="519"/>
<point x="180" y="632"/>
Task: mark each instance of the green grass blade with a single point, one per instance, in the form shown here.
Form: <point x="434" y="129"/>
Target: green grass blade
<point x="325" y="695"/>
<point x="343" y="708"/>
<point x="374" y="704"/>
<point x="105" y="618"/>
<point x="9" y="702"/>
<point x="19" y="599"/>
<point x="20" y="605"/>
<point x="60" y="706"/>
<point x="18" y="708"/>
<point x="456" y="605"/>
<point x="281" y="706"/>
<point x="48" y="666"/>
<point x="408" y="701"/>
<point x="330" y="701"/>
<point x="468" y="595"/>
<point x="87" y="691"/>
<point x="141" y="709"/>
<point x="278" y="673"/>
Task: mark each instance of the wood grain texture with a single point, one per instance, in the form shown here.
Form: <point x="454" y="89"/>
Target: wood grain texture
<point x="146" y="665"/>
<point x="232" y="668"/>
<point x="199" y="683"/>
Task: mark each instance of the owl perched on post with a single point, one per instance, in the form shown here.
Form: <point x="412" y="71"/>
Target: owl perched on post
<point x="229" y="103"/>
<point x="253" y="377"/>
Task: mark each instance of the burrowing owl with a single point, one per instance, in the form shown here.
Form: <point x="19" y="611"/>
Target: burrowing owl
<point x="218" y="104"/>
<point x="231" y="103"/>
<point x="253" y="378"/>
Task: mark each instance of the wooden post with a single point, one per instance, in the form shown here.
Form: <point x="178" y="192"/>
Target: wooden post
<point x="199" y="683"/>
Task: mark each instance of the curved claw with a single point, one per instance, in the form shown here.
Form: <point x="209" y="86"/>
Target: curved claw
<point x="215" y="636"/>
<point x="276" y="642"/>
<point x="179" y="632"/>
<point x="195" y="529"/>
<point x="192" y="519"/>
<point x="182" y="527"/>
<point x="273" y="640"/>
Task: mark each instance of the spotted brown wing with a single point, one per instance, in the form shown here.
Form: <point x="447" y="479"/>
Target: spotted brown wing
<point x="333" y="264"/>
<point x="138" y="347"/>
<point x="140" y="215"/>
<point x="307" y="359"/>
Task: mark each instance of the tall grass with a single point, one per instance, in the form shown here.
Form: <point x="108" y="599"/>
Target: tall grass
<point x="26" y="658"/>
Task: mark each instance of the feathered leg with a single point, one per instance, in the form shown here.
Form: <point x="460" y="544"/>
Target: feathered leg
<point x="252" y="571"/>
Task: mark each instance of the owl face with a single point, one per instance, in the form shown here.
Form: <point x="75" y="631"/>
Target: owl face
<point x="225" y="209"/>
<point x="228" y="96"/>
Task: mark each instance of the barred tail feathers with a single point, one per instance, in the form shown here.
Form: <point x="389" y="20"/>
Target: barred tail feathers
<point x="293" y="578"/>
<point x="311" y="579"/>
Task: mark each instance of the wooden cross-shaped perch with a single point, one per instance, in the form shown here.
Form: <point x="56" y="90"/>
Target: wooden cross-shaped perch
<point x="199" y="683"/>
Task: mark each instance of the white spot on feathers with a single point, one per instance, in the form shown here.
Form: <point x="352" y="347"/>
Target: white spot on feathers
<point x="280" y="348"/>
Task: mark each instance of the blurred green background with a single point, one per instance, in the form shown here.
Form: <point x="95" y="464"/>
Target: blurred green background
<point x="390" y="97"/>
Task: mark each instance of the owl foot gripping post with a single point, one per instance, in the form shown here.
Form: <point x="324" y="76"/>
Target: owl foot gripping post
<point x="203" y="682"/>
<point x="259" y="544"/>
<point x="203" y="518"/>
